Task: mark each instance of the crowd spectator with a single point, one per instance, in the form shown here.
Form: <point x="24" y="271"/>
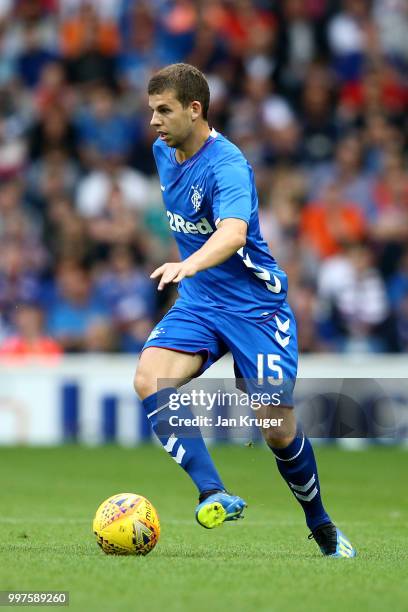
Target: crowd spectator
<point x="314" y="93"/>
<point x="110" y="188"/>
<point x="33" y="58"/>
<point x="349" y="33"/>
<point x="129" y="296"/>
<point x="354" y="301"/>
<point x="348" y="172"/>
<point x="52" y="131"/>
<point x="102" y="130"/>
<point x="75" y="309"/>
<point x="19" y="280"/>
<point x="329" y="223"/>
<point x="30" y="338"/>
<point x="138" y="56"/>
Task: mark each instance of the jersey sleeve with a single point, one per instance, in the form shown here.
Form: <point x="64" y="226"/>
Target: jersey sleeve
<point x="232" y="193"/>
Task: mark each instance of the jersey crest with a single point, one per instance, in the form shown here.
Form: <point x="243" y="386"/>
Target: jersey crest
<point x="196" y="197"/>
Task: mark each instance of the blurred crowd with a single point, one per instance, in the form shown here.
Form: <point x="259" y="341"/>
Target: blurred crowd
<point x="315" y="94"/>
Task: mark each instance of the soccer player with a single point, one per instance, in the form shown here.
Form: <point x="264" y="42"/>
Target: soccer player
<point x="231" y="298"/>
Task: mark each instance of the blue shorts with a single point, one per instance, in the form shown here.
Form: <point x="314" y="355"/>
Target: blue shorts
<point x="264" y="347"/>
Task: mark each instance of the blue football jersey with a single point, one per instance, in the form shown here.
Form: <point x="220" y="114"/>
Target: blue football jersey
<point x="214" y="184"/>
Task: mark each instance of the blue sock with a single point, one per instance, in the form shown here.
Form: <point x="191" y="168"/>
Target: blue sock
<point x="297" y="465"/>
<point x="185" y="444"/>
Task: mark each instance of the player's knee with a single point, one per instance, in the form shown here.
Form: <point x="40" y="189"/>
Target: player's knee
<point x="144" y="383"/>
<point x="277" y="440"/>
<point x="279" y="437"/>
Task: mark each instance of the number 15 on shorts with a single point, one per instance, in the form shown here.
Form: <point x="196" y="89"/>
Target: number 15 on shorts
<point x="272" y="366"/>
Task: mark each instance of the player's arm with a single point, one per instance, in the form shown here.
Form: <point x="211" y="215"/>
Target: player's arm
<point x="229" y="237"/>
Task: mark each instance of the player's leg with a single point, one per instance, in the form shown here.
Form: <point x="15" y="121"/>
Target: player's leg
<point x="266" y="357"/>
<point x="297" y="465"/>
<point x="267" y="353"/>
<point x="186" y="346"/>
<point x="295" y="461"/>
<point x="157" y="365"/>
<point x="184" y="444"/>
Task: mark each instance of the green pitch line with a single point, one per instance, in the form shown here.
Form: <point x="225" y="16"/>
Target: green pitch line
<point x="263" y="563"/>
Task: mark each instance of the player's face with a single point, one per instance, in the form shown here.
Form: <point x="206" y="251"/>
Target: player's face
<point x="173" y="123"/>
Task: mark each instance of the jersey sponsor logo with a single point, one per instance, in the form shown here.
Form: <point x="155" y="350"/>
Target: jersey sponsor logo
<point x="179" y="224"/>
<point x="196" y="197"/>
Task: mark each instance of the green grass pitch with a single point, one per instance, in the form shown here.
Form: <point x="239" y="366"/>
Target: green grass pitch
<point x="262" y="563"/>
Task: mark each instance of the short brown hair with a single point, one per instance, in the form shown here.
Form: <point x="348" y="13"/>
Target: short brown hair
<point x="187" y="81"/>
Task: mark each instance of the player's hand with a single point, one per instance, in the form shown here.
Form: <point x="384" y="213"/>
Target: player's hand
<point x="174" y="273"/>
